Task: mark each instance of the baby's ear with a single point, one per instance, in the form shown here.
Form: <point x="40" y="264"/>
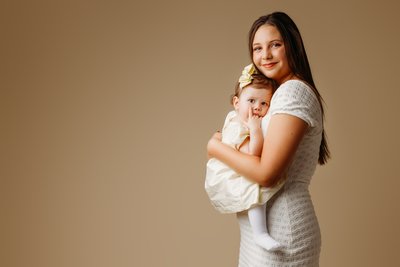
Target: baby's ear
<point x="235" y="102"/>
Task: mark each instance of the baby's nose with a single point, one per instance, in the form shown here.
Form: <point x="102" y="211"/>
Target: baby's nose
<point x="257" y="107"/>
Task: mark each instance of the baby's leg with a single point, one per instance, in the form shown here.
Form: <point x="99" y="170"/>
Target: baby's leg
<point x="258" y="222"/>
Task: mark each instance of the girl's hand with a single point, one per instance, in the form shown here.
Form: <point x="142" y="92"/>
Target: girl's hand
<point x="217" y="137"/>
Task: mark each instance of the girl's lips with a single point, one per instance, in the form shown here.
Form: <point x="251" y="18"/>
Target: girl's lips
<point x="269" y="65"/>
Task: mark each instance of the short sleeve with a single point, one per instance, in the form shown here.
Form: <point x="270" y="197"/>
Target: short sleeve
<point x="298" y="99"/>
<point x="229" y="117"/>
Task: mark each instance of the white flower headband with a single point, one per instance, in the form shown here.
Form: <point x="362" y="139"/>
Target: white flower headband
<point x="246" y="78"/>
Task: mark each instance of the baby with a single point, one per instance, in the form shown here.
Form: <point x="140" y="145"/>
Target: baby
<point x="228" y="191"/>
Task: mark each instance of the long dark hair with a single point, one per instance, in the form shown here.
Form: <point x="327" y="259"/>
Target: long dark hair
<point x="297" y="59"/>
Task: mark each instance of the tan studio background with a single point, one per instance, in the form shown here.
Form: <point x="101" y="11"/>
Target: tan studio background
<point x="107" y="106"/>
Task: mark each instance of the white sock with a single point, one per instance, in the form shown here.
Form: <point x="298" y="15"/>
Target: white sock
<point x="258" y="222"/>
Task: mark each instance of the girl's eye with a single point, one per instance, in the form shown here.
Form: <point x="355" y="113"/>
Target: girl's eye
<point x="256" y="49"/>
<point x="276" y="44"/>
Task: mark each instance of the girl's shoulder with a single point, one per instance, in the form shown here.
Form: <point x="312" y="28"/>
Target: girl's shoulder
<point x="295" y="89"/>
<point x="296" y="83"/>
<point x="296" y="97"/>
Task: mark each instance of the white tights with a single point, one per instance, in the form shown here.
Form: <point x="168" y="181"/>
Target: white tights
<point x="258" y="222"/>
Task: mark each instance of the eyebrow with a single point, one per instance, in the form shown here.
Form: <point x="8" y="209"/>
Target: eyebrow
<point x="275" y="40"/>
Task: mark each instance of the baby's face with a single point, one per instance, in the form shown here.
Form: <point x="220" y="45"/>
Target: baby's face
<point x="256" y="99"/>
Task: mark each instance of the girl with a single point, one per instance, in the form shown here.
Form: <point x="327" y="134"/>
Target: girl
<point x="294" y="140"/>
<point x="228" y="191"/>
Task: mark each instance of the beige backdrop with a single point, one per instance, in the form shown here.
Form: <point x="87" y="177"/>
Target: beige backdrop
<point x="107" y="106"/>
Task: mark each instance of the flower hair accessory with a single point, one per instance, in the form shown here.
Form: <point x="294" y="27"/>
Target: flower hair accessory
<point x="246" y="78"/>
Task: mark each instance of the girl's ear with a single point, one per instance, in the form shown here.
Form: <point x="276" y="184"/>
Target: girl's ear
<point x="235" y="101"/>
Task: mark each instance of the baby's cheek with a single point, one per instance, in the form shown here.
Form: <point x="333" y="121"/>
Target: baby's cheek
<point x="265" y="112"/>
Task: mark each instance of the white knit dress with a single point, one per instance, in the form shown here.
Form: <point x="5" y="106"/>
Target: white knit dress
<point x="290" y="213"/>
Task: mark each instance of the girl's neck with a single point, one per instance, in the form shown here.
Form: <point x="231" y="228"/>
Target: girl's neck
<point x="288" y="77"/>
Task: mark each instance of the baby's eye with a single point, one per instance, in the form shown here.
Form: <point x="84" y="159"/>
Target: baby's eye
<point x="251" y="100"/>
<point x="265" y="104"/>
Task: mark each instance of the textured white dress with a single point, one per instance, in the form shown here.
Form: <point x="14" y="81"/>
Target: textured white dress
<point x="290" y="213"/>
<point x="228" y="191"/>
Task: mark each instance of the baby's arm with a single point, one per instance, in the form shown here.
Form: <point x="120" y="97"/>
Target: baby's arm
<point x="256" y="138"/>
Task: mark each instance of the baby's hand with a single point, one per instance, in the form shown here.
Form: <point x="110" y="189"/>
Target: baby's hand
<point x="254" y="121"/>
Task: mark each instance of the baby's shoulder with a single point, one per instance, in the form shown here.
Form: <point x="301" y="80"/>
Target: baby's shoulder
<point x="229" y="117"/>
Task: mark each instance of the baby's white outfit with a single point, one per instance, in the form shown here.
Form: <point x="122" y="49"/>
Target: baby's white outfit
<point x="228" y="191"/>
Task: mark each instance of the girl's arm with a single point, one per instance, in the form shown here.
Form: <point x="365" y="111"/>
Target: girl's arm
<point x="280" y="144"/>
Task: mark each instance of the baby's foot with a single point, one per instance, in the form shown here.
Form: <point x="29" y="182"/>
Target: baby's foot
<point x="267" y="242"/>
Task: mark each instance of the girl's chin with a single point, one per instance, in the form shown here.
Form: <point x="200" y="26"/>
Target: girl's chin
<point x="268" y="73"/>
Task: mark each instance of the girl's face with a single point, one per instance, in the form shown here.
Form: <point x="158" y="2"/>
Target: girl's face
<point x="269" y="54"/>
<point x="257" y="100"/>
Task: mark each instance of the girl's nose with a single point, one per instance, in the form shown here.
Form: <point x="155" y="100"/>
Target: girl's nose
<point x="266" y="54"/>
